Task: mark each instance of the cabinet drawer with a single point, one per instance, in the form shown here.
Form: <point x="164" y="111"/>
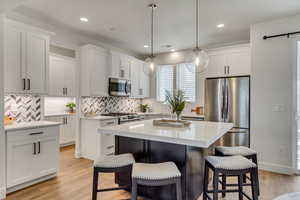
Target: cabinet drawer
<point x="110" y="122"/>
<point x="31" y="134"/>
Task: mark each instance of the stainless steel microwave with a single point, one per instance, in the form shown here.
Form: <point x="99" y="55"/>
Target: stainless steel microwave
<point x="119" y="87"/>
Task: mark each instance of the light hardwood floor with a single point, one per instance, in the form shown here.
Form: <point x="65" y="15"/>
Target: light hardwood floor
<point x="74" y="182"/>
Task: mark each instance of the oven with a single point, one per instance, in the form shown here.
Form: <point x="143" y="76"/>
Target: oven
<point x="119" y="87"/>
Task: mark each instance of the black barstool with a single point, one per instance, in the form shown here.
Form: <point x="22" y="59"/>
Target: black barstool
<point x="229" y="166"/>
<point x="242" y="151"/>
<point x="111" y="164"/>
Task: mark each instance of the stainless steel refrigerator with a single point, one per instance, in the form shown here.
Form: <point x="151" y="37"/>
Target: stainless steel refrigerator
<point x="228" y="100"/>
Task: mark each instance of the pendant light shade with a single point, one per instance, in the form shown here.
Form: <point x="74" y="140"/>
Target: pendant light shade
<point x="198" y="56"/>
<point x="150" y="59"/>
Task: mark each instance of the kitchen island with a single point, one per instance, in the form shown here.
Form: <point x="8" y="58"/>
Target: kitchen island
<point x="187" y="147"/>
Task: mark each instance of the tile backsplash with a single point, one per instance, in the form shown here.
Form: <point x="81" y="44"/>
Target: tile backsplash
<point x="23" y="108"/>
<point x="109" y="104"/>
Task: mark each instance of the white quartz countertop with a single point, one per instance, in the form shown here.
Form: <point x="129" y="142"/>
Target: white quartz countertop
<point x="198" y="134"/>
<point x="98" y="117"/>
<point x="30" y="125"/>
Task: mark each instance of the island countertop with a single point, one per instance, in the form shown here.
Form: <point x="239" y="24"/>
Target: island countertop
<point x="199" y="134"/>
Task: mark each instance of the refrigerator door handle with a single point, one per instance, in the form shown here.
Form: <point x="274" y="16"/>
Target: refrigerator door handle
<point x="223" y="101"/>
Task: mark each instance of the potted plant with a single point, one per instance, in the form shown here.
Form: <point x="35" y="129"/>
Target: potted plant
<point x="144" y="107"/>
<point x="71" y="107"/>
<point x="176" y="101"/>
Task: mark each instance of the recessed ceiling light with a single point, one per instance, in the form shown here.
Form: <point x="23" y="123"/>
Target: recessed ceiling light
<point x="146" y="46"/>
<point x="84" y="19"/>
<point x="172" y="50"/>
<point x="220" y="25"/>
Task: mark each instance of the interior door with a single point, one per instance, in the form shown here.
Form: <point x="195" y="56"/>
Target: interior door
<point x="237" y="100"/>
<point x="214" y="99"/>
<point x="14" y="66"/>
<point x="37" y="62"/>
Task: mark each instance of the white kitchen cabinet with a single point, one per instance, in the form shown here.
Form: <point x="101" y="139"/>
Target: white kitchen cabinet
<point x="31" y="154"/>
<point x="139" y="79"/>
<point x="94" y="144"/>
<point x="62" y="76"/>
<point x="26" y="59"/>
<point x="94" y="71"/>
<point x="120" y="65"/>
<point x="231" y="61"/>
<point x="67" y="129"/>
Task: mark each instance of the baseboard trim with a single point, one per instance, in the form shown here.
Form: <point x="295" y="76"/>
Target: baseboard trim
<point x="27" y="184"/>
<point x="280" y="169"/>
<point x="67" y="144"/>
<point x="2" y="193"/>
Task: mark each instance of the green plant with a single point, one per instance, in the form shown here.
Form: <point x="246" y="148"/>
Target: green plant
<point x="144" y="107"/>
<point x="71" y="106"/>
<point x="176" y="101"/>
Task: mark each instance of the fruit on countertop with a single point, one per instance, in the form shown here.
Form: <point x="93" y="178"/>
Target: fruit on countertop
<point x="9" y="120"/>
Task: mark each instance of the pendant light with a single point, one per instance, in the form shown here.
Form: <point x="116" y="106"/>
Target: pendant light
<point x="150" y="59"/>
<point x="198" y="56"/>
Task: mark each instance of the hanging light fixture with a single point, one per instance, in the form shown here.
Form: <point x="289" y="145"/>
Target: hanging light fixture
<point x="198" y="56"/>
<point x="150" y="59"/>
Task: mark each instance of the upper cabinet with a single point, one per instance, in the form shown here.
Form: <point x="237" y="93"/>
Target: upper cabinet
<point x="62" y="76"/>
<point x="119" y="65"/>
<point x="231" y="61"/>
<point x="139" y="79"/>
<point x="94" y="71"/>
<point x="26" y="59"/>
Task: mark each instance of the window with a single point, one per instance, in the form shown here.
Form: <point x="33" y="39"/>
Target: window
<point x="181" y="76"/>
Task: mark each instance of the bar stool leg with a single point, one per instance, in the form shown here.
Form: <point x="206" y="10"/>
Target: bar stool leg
<point x="254" y="159"/>
<point x="95" y="184"/>
<point x="253" y="176"/>
<point x="178" y="189"/>
<point x="133" y="189"/>
<point x="224" y="182"/>
<point x="205" y="184"/>
<point x="240" y="180"/>
<point x="215" y="184"/>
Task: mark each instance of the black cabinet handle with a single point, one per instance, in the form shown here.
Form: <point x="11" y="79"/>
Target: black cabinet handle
<point x="24" y="84"/>
<point x="39" y="145"/>
<point x="66" y="91"/>
<point x="34" y="148"/>
<point x="29" y="84"/>
<point x="225" y="69"/>
<point x="228" y="71"/>
<point x="66" y="120"/>
<point x="37" y="133"/>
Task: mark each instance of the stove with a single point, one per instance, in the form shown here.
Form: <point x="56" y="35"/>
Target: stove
<point x="125" y="117"/>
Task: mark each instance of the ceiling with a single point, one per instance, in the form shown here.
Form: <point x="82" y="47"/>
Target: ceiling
<point x="126" y="23"/>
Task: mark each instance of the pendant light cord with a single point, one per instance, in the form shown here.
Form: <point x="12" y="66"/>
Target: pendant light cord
<point x="197" y="24"/>
<point x="152" y="28"/>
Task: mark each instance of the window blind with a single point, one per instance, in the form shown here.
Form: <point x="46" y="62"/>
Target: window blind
<point x="165" y="81"/>
<point x="186" y="80"/>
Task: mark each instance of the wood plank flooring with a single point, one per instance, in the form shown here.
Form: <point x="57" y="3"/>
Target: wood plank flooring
<point x="74" y="182"/>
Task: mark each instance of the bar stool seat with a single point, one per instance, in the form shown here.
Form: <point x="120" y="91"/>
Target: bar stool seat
<point x="230" y="163"/>
<point x="157" y="174"/>
<point x="111" y="164"/>
<point x="157" y="171"/>
<point x="234" y="151"/>
<point x="115" y="161"/>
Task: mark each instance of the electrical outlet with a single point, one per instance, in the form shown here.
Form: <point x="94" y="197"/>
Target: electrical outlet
<point x="278" y="108"/>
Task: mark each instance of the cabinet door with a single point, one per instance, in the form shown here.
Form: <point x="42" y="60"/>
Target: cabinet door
<point x="145" y="80"/>
<point x="98" y="73"/>
<point x="37" y="48"/>
<point x="124" y="67"/>
<point x="56" y="76"/>
<point x="90" y="139"/>
<point x="115" y="65"/>
<point x="70" y="129"/>
<point x="239" y="62"/>
<point x="216" y="66"/>
<point x="70" y="77"/>
<point x="135" y="79"/>
<point x="46" y="161"/>
<point x="14" y="66"/>
<point x="20" y="159"/>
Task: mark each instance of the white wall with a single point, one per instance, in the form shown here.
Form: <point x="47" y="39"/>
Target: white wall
<point x="272" y="87"/>
<point x="2" y="136"/>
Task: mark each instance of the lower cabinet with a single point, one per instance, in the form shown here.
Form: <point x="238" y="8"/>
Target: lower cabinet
<point x="94" y="144"/>
<point x="67" y="129"/>
<point x="31" y="154"/>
